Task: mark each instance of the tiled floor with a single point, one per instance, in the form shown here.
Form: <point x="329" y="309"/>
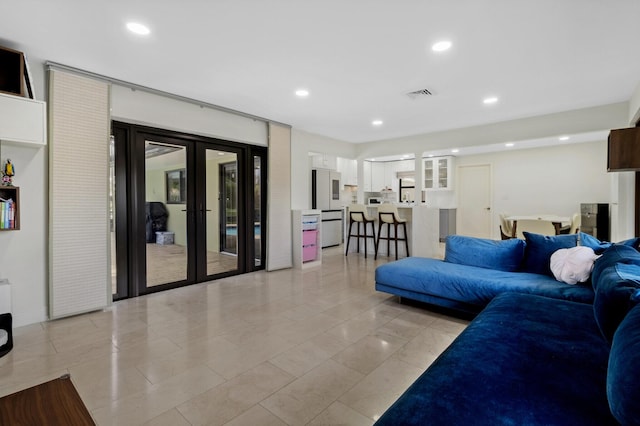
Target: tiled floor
<point x="290" y="347"/>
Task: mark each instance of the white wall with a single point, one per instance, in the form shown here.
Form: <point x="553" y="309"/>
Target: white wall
<point x="23" y="253"/>
<point x="568" y="122"/>
<point x="301" y="144"/>
<point x="634" y="106"/>
<point x="139" y="107"/>
<point x="549" y="180"/>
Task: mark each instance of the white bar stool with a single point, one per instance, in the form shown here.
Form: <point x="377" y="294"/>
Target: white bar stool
<point x="388" y="215"/>
<point x="358" y="215"/>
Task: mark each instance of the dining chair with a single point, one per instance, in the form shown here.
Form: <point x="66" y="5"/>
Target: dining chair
<point x="542" y="227"/>
<point x="575" y="223"/>
<point x="506" y="230"/>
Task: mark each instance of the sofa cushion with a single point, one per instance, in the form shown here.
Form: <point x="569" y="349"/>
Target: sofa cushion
<point x="617" y="292"/>
<point x="415" y="276"/>
<point x="592" y="242"/>
<point x="505" y="255"/>
<point x="524" y="360"/>
<point x="623" y="374"/>
<point x="615" y="254"/>
<point x="539" y="248"/>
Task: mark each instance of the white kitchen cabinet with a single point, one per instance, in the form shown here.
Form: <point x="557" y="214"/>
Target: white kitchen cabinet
<point x="348" y="171"/>
<point x="324" y="161"/>
<point x="437" y="173"/>
<point x="366" y="171"/>
<point x="23" y="120"/>
<point x="378" y="176"/>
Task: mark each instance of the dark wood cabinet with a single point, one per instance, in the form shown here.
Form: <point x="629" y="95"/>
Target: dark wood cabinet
<point x="624" y="150"/>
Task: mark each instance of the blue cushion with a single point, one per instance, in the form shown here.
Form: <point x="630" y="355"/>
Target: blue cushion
<point x="623" y="374"/>
<point x="615" y="254"/>
<point x="592" y="242"/>
<point x="539" y="248"/>
<point x="504" y="255"/>
<point x="524" y="360"/>
<point x="631" y="242"/>
<point x="617" y="292"/>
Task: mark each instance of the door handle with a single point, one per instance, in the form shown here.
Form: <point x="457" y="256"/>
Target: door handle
<point x="487" y="208"/>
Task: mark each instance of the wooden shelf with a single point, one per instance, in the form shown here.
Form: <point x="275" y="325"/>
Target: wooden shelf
<point x="12" y="71"/>
<point x="13" y="217"/>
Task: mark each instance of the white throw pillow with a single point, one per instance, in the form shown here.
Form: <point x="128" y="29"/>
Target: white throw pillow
<point x="573" y="265"/>
<point x="4" y="337"/>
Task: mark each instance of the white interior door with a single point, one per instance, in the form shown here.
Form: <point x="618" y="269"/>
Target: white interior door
<point x="474" y="201"/>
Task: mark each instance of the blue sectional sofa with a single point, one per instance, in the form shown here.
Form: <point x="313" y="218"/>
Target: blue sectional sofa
<point x="528" y="359"/>
<point x="475" y="270"/>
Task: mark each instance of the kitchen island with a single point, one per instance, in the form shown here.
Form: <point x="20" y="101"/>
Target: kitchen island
<point x="423" y="229"/>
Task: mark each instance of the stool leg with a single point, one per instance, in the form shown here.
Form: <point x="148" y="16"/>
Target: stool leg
<point x="388" y="239"/>
<point x="348" y="238"/>
<point x="406" y="238"/>
<point x="365" y="238"/>
<point x="377" y="241"/>
<point x="395" y="237"/>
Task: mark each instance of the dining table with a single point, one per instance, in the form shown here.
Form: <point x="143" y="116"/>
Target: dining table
<point x="557" y="221"/>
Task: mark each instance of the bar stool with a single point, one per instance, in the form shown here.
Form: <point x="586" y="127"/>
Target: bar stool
<point x="358" y="215"/>
<point x="388" y="215"/>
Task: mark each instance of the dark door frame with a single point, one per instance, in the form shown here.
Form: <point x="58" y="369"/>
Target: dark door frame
<point x="130" y="201"/>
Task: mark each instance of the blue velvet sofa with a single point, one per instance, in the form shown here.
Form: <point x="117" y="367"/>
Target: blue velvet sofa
<point x="475" y="270"/>
<point x="528" y="359"/>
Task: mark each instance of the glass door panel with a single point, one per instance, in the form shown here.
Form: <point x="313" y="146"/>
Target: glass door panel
<point x="221" y="213"/>
<point x="257" y="210"/>
<point x="165" y="213"/>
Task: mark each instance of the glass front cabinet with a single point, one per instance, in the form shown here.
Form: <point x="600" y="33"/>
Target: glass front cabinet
<point x="437" y="172"/>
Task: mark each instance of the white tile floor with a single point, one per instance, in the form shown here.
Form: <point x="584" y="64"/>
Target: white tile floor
<point x="290" y="347"/>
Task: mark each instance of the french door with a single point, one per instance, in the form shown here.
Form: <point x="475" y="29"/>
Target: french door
<point x="191" y="205"/>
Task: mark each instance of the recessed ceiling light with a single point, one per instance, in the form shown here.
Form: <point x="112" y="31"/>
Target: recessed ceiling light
<point x="508" y="144"/>
<point x="377" y="122"/>
<point x="302" y="93"/>
<point x="138" y="28"/>
<point x="564" y="138"/>
<point x="441" y="46"/>
<point x="490" y="100"/>
<point x="455" y="150"/>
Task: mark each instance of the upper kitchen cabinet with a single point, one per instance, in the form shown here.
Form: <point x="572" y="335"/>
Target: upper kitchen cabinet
<point x="366" y="169"/>
<point x="348" y="171"/>
<point x="22" y="120"/>
<point x="324" y="161"/>
<point x="378" y="177"/>
<point x="437" y="173"/>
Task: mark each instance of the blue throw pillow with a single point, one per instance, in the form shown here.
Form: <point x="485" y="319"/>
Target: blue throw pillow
<point x="615" y="254"/>
<point x="631" y="242"/>
<point x="593" y="243"/>
<point x="623" y="374"/>
<point x="617" y="292"/>
<point x="539" y="248"/>
<point x="503" y="255"/>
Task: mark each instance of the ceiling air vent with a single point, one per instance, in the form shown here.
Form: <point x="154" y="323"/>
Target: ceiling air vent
<point x="419" y="93"/>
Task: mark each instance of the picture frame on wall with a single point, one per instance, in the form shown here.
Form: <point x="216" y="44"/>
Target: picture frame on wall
<point x="176" y="186"/>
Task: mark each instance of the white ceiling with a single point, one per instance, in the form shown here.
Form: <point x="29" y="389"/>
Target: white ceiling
<point x="357" y="58"/>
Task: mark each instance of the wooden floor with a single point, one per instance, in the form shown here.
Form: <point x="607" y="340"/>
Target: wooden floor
<point x="53" y="403"/>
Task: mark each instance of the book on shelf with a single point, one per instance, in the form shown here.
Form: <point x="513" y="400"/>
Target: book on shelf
<point x="7" y="213"/>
